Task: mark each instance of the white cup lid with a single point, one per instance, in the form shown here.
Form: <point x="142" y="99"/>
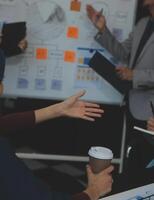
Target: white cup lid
<point x="100" y="152"/>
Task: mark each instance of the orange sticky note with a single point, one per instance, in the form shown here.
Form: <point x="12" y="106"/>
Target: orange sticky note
<point x="75" y="5"/>
<point x="69" y="56"/>
<point x="73" y="32"/>
<point x="41" y="54"/>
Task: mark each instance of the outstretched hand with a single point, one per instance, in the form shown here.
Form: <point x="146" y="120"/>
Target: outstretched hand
<point x="73" y="107"/>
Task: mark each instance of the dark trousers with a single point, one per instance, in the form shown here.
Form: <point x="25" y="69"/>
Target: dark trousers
<point x="18" y="182"/>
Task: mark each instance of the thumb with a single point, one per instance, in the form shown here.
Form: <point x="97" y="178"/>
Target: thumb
<point x="79" y="94"/>
<point x="89" y="171"/>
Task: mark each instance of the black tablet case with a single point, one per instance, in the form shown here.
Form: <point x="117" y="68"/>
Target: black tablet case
<point x="12" y="34"/>
<point x="107" y="70"/>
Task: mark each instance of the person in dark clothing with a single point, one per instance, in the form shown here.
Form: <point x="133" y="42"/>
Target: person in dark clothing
<point x="16" y="180"/>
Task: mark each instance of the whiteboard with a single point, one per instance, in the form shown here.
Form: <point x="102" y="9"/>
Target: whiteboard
<point x="60" y="43"/>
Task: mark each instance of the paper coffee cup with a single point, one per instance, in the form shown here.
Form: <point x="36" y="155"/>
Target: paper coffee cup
<point x="99" y="158"/>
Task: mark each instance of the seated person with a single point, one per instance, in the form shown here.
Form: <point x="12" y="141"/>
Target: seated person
<point x="17" y="182"/>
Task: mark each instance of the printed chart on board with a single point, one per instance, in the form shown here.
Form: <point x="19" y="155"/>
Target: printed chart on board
<point x="60" y="43"/>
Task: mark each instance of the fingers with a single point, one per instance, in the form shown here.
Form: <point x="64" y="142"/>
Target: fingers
<point x="151" y="120"/>
<point x="120" y="70"/>
<point x="79" y="94"/>
<point x="89" y="114"/>
<point x="89" y="171"/>
<point x="91" y="117"/>
<point x="150" y="124"/>
<point x="94" y="105"/>
<point x="88" y="118"/>
<point x="108" y="170"/>
<point x="91" y="12"/>
<point x="124" y="73"/>
<point x="94" y="110"/>
<point x="23" y="44"/>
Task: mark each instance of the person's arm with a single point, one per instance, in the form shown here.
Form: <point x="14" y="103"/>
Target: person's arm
<point x="119" y="50"/>
<point x="105" y="38"/>
<point x="71" y="107"/>
<point x="98" y="185"/>
<point x="122" y="52"/>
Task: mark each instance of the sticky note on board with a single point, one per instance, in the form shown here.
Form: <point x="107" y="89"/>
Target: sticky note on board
<point x="70" y="56"/>
<point x="41" y="54"/>
<point x="75" y="5"/>
<point x="73" y="32"/>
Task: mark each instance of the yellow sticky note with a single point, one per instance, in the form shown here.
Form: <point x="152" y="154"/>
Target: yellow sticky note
<point x="41" y="54"/>
<point x="70" y="56"/>
<point x="73" y="32"/>
<point x="75" y="5"/>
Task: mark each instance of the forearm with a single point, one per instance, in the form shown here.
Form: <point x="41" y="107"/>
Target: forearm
<point x="48" y="113"/>
<point x="117" y="49"/>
